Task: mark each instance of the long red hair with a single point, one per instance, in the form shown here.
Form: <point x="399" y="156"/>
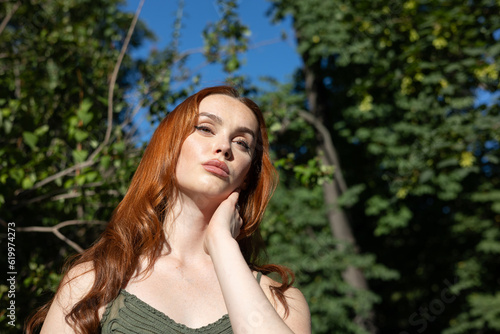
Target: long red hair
<point x="136" y="227"/>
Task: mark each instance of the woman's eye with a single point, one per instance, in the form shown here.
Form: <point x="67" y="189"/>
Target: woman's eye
<point x="203" y="128"/>
<point x="243" y="144"/>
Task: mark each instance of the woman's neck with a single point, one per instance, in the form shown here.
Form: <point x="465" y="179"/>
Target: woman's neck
<point x="186" y="226"/>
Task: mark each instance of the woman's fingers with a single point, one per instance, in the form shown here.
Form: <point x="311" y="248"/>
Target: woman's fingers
<point x="235" y="221"/>
<point x="236" y="226"/>
<point x="226" y="221"/>
<point x="233" y="198"/>
<point x="227" y="217"/>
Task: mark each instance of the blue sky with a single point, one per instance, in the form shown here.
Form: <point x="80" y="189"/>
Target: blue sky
<point x="277" y="59"/>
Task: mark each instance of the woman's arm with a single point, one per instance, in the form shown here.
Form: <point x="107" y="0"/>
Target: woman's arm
<point x="74" y="287"/>
<point x="250" y="309"/>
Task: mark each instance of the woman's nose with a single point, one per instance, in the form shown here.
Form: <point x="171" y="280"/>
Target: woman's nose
<point x="223" y="146"/>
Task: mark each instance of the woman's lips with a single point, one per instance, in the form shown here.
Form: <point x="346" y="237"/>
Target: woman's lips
<point x="217" y="167"/>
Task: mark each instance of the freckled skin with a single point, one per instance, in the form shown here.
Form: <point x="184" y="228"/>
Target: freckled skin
<point x="217" y="135"/>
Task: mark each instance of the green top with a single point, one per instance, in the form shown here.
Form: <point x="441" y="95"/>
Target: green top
<point x="128" y="314"/>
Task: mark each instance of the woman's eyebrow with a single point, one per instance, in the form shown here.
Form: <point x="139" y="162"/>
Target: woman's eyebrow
<point x="213" y="117"/>
<point x="219" y="121"/>
<point x="244" y="129"/>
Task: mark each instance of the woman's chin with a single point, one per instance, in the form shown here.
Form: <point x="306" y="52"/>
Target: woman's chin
<point x="208" y="198"/>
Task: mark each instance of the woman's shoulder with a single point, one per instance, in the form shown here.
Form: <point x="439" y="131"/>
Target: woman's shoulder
<point x="292" y="294"/>
<point x="75" y="284"/>
<point x="298" y="309"/>
<point x="78" y="281"/>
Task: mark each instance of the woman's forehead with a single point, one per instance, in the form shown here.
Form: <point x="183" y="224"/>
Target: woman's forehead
<point x="223" y="108"/>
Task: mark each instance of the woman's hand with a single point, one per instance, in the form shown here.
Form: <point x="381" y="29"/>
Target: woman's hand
<point x="226" y="221"/>
<point x="245" y="300"/>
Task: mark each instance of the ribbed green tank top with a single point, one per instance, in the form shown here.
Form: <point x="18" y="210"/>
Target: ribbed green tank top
<point x="128" y="314"/>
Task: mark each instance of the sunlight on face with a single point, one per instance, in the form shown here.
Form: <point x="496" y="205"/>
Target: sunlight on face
<point x="216" y="157"/>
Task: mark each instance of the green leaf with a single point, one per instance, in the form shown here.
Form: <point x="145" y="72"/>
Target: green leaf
<point x="376" y="205"/>
<point x="81" y="135"/>
<point x="105" y="161"/>
<point x="84" y="113"/>
<point x="17" y="174"/>
<point x="30" y="139"/>
<point x="92" y="176"/>
<point x="393" y="220"/>
<point x="27" y="183"/>
<point x="119" y="147"/>
<point x="41" y="130"/>
<point x="495" y="207"/>
<point x="80" y="155"/>
<point x="80" y="180"/>
<point x="351" y="196"/>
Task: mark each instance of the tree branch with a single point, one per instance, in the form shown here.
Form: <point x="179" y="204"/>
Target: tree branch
<point x="112" y="83"/>
<point x="7" y="17"/>
<point x="57" y="233"/>
<point x="256" y="45"/>
<point x="331" y="152"/>
<point x="89" y="161"/>
<point x="62" y="173"/>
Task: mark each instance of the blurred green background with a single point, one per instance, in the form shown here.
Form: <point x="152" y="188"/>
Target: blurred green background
<point x="386" y="137"/>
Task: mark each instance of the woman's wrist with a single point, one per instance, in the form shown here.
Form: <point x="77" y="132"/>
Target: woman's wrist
<point x="219" y="240"/>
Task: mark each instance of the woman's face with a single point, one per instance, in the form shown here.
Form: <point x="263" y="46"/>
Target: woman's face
<point x="216" y="157"/>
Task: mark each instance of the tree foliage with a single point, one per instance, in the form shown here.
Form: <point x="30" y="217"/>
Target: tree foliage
<point x="396" y="87"/>
<point x="399" y="81"/>
<point x="70" y="93"/>
<point x="68" y="144"/>
<point x="296" y="227"/>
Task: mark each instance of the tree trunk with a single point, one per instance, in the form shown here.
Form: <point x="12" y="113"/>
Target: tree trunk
<point x="339" y="222"/>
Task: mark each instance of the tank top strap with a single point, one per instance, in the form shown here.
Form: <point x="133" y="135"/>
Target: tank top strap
<point x="259" y="275"/>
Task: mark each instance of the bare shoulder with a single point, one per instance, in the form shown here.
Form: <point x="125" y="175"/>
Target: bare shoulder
<point x="74" y="286"/>
<point x="299" y="317"/>
<point x="76" y="283"/>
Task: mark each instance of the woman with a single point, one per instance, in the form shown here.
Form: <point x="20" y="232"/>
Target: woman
<point x="178" y="255"/>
